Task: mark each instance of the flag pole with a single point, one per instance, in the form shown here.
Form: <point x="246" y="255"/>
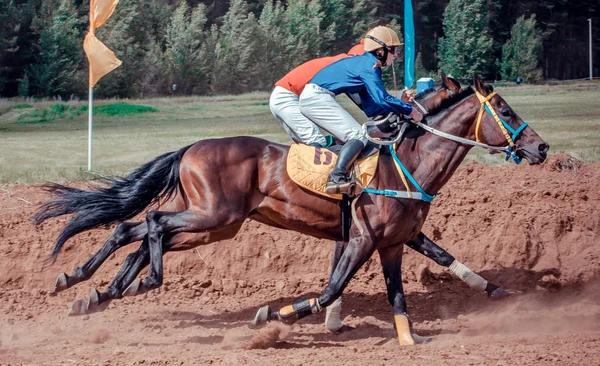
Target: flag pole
<point x="591" y="50"/>
<point x="90" y="94"/>
<point x="409" y="45"/>
<point x="101" y="59"/>
<point x="90" y="124"/>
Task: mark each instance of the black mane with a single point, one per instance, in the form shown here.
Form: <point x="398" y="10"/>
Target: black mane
<point x="446" y="103"/>
<point x="424" y="94"/>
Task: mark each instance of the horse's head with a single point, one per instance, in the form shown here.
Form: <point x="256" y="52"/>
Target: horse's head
<point x="499" y="125"/>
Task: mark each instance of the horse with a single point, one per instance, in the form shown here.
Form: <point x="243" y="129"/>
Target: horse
<point x="125" y="285"/>
<point x="206" y="191"/>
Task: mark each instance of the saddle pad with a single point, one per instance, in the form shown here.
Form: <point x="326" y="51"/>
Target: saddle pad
<point x="309" y="167"/>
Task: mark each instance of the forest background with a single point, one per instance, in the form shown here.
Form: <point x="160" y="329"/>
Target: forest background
<point x="215" y="47"/>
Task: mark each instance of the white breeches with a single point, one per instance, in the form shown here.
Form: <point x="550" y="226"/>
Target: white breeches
<point x="284" y="106"/>
<point x="320" y="106"/>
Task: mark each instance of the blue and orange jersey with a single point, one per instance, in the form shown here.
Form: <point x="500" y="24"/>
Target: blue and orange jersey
<point x="362" y="75"/>
<point x="296" y="80"/>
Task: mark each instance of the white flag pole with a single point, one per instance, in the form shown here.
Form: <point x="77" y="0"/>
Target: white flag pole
<point x="591" y="69"/>
<point x="90" y="122"/>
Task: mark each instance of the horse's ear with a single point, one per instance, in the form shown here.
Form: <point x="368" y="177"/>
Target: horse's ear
<point x="479" y="86"/>
<point x="450" y="83"/>
<point x="455" y="85"/>
<point x="444" y="79"/>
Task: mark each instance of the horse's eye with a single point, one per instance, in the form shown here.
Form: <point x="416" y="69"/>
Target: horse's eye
<point x="505" y="112"/>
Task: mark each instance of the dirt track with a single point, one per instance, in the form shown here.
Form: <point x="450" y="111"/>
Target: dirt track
<point x="534" y="230"/>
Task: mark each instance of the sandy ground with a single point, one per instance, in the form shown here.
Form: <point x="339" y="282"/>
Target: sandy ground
<point x="533" y="230"/>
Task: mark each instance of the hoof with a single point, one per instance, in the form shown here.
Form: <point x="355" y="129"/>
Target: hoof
<point x="421" y="340"/>
<point x="498" y="294"/>
<point x="61" y="283"/>
<point x="134" y="288"/>
<point x="77" y="308"/>
<point x="93" y="298"/>
<point x="343" y="329"/>
<point x="94" y="305"/>
<point x="262" y="317"/>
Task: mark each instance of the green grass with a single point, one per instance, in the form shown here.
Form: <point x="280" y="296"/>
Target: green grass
<point x="53" y="112"/>
<point x="566" y="116"/>
<point x="22" y="106"/>
<point x="123" y="109"/>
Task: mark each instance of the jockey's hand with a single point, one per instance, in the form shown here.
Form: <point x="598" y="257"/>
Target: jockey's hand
<point x="416" y="115"/>
<point x="408" y="96"/>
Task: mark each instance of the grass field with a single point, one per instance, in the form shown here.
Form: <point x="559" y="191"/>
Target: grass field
<point x="47" y="140"/>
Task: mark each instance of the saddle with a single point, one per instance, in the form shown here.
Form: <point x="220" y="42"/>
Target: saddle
<point x="310" y="166"/>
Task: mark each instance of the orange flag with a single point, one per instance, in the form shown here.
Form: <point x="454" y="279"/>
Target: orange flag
<point x="101" y="59"/>
<point x="101" y="11"/>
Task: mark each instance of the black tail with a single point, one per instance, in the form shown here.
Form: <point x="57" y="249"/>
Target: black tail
<point x="122" y="199"/>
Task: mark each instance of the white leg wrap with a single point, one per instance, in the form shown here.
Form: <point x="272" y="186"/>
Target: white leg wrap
<point x="471" y="278"/>
<point x="333" y="322"/>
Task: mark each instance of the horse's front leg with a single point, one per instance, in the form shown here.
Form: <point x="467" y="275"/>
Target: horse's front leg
<point x="391" y="261"/>
<point x="358" y="250"/>
<point x="422" y="244"/>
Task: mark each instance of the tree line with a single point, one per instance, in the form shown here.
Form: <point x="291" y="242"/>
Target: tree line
<point x="227" y="47"/>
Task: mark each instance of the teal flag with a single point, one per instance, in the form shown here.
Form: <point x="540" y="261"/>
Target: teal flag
<point x="409" y="44"/>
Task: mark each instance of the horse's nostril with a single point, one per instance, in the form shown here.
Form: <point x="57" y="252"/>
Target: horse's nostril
<point x="543" y="147"/>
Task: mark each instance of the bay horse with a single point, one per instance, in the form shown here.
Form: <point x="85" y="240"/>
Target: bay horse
<point x="127" y="232"/>
<point x="207" y="190"/>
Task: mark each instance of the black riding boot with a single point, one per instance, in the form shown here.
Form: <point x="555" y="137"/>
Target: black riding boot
<point x="339" y="180"/>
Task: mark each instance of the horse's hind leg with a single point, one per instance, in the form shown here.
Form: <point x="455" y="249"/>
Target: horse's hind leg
<point x="161" y="223"/>
<point x="125" y="233"/>
<point x="431" y="250"/>
<point x="98" y="301"/>
<point x="333" y="321"/>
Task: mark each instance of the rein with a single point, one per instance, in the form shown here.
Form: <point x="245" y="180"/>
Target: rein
<point x="504" y="127"/>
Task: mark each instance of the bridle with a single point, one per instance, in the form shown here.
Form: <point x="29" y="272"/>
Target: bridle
<point x="504" y="127"/>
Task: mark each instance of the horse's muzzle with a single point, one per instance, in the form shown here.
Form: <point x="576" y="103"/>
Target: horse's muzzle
<point x="534" y="153"/>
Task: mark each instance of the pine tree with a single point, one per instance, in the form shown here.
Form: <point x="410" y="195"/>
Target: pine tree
<point x="185" y="53"/>
<point x="522" y="53"/>
<point x="56" y="71"/>
<point x="273" y="54"/>
<point x="153" y="81"/>
<point x="235" y="70"/>
<point x="466" y="48"/>
<point x="9" y="28"/>
<point x="307" y="36"/>
<point x="349" y="20"/>
<point x="124" y="33"/>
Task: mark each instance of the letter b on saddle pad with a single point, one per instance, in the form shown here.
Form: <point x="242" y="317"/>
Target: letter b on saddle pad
<point x="309" y="167"/>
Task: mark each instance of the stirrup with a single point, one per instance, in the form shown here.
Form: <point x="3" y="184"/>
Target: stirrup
<point x="341" y="188"/>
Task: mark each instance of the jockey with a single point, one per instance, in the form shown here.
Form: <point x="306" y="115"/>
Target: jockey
<point x="283" y="102"/>
<point x="362" y="75"/>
